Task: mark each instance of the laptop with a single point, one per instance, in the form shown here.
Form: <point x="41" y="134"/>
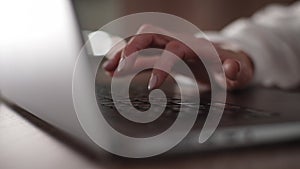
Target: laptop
<point x="38" y="51"/>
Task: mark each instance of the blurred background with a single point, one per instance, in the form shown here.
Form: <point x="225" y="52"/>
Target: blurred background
<point x="206" y="14"/>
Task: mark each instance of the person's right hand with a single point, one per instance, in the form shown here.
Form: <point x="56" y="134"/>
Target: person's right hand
<point x="237" y="65"/>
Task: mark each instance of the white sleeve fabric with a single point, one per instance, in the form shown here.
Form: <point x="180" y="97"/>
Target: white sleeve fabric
<point x="271" y="38"/>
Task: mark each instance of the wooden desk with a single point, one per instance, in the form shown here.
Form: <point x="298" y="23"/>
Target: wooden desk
<point x="28" y="143"/>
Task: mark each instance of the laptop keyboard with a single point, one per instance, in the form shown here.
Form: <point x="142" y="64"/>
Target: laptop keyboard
<point x="233" y="115"/>
<point x="140" y="101"/>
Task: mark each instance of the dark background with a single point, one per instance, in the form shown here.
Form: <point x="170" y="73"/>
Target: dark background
<point x="206" y="14"/>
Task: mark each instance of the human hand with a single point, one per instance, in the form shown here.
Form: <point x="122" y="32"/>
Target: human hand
<point x="237" y="65"/>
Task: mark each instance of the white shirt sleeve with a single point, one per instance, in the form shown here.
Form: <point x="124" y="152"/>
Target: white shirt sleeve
<point x="271" y="38"/>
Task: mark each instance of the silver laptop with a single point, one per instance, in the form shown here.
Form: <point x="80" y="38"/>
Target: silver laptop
<point x="38" y="51"/>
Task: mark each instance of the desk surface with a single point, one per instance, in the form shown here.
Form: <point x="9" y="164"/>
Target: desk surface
<point x="27" y="142"/>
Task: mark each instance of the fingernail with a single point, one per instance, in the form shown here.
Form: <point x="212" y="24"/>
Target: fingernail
<point x="238" y="66"/>
<point x="238" y="69"/>
<point x="122" y="64"/>
<point x="152" y="82"/>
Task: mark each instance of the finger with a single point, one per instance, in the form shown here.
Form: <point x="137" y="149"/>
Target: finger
<point x="121" y="62"/>
<point x="166" y="61"/>
<point x="137" y="43"/>
<point x="246" y="72"/>
<point x="112" y="64"/>
<point x="203" y="48"/>
<point x="114" y="54"/>
<point x="140" y="64"/>
<point x="238" y="69"/>
<point x="231" y="68"/>
<point x="147" y="36"/>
